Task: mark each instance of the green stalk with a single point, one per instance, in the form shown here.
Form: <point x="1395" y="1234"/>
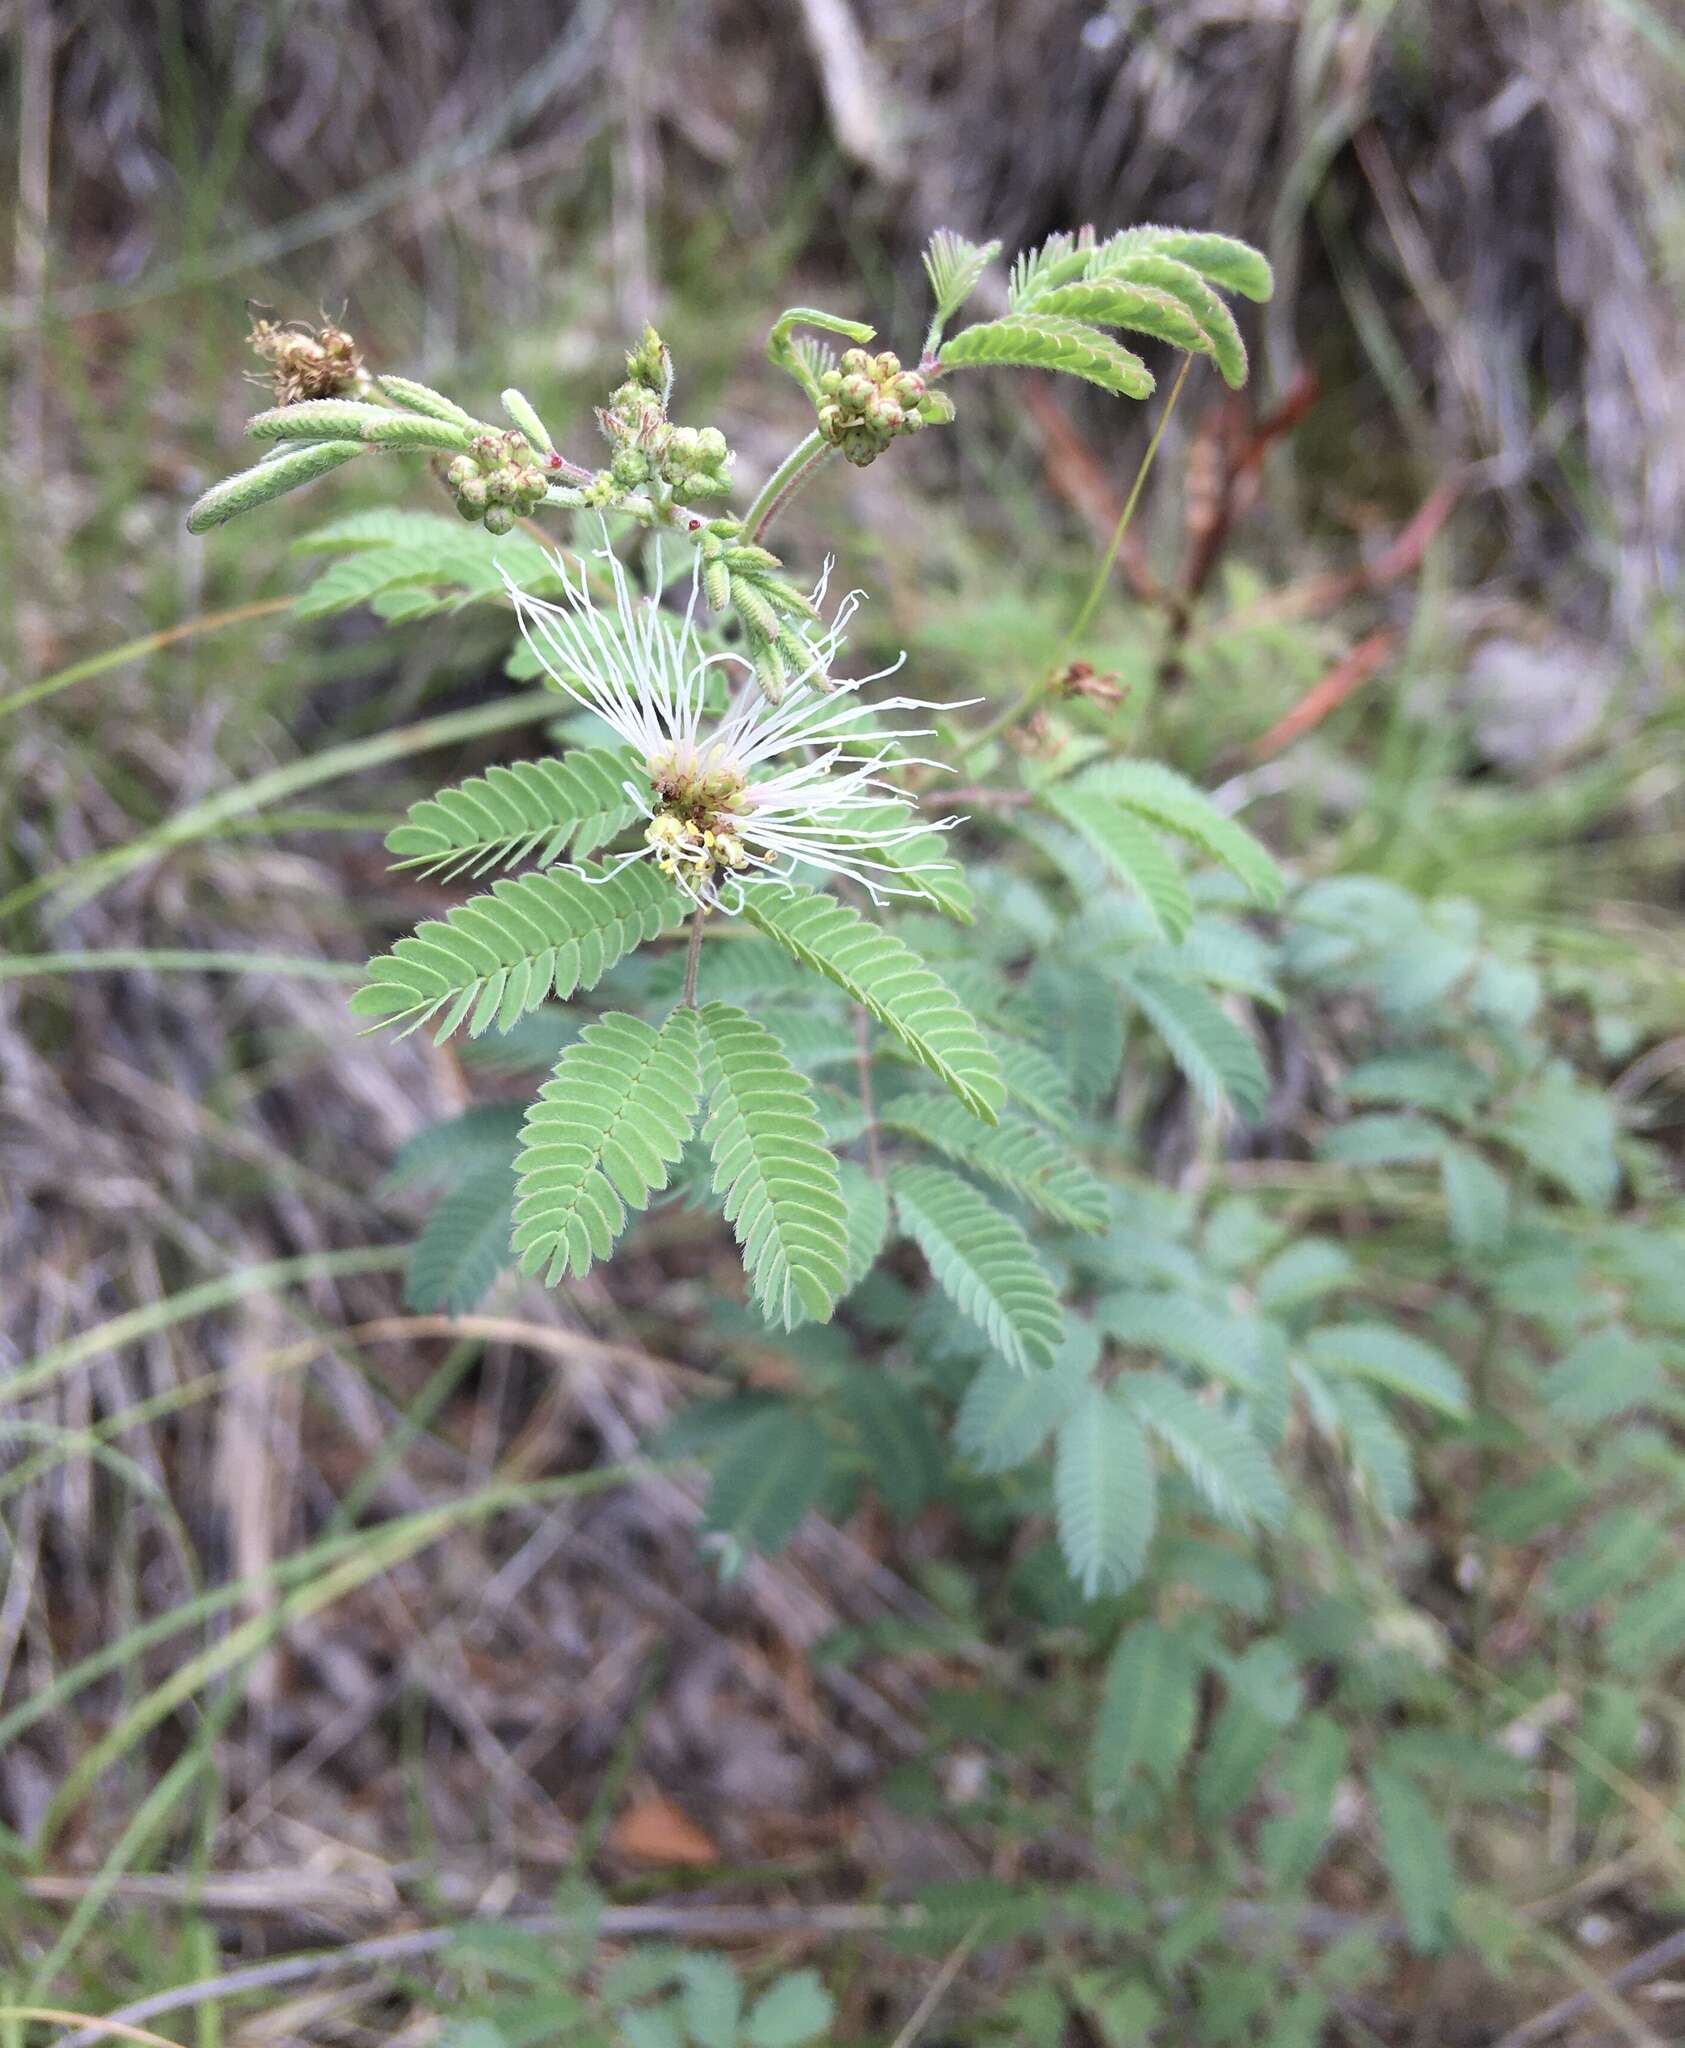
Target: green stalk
<point x="1032" y="695"/>
<point x="794" y="471"/>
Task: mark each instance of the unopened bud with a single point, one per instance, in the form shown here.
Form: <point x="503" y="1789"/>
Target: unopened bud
<point x="499" y="519"/>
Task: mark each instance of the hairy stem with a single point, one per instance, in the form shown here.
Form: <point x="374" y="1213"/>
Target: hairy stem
<point x="693" y="957"/>
<point x="1033" y="693"/>
<point x="794" y="471"/>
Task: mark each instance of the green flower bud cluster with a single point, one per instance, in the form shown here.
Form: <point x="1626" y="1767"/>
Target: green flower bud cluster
<point x="649" y="451"/>
<point x="742" y="577"/>
<point x="497" y="480"/>
<point x="867" y="401"/>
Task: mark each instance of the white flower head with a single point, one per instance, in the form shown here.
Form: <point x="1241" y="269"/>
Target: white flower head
<point x="763" y="788"/>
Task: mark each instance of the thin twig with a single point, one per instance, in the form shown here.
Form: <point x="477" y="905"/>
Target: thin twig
<point x="1628" y="1977"/>
<point x="696" y="1923"/>
<point x="1031" y="696"/>
<point x="939" y="1984"/>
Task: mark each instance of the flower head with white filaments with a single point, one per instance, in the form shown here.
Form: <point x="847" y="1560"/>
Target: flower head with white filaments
<point x="764" y="788"/>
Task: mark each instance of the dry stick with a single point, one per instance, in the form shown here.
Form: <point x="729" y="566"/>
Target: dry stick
<point x="940" y="1982"/>
<point x="1627" y="1978"/>
<point x="697" y="1923"/>
<point x="92" y="2029"/>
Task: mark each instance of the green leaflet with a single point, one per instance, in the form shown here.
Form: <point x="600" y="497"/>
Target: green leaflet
<point x="1015" y="1154"/>
<point x="1180" y="1326"/>
<point x="1131" y="849"/>
<point x="265" y="480"/>
<point x="603" y="1135"/>
<point x="1113" y="302"/>
<point x="1174" y="804"/>
<point x="867" y="1203"/>
<point x="955" y="267"/>
<point x="1219" y="1454"/>
<point x="464" y="1244"/>
<point x="1417" y="1854"/>
<point x="1216" y="1056"/>
<point x="1007" y="1415"/>
<point x="893" y="983"/>
<point x="903" y="1454"/>
<point x="1105" y="1493"/>
<point x="1292" y="1842"/>
<point x="782" y="1195"/>
<point x="531" y="810"/>
<point x="983" y="1261"/>
<point x="770" y="1471"/>
<point x="1147" y="1711"/>
<point x="493" y="959"/>
<point x="1393" y="1359"/>
<point x="1043" y="341"/>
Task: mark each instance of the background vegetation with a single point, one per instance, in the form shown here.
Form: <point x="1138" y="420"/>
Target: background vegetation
<point x="369" y="1672"/>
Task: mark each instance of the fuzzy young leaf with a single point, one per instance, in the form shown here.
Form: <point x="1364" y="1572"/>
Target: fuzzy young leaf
<point x="892" y="982"/>
<point x="315" y="419"/>
<point x="1233" y="265"/>
<point x="531" y="810"/>
<point x="502" y="954"/>
<point x="1015" y="1155"/>
<point x="782" y="1195"/>
<point x="982" y="1261"/>
<point x="1180" y="281"/>
<point x="1110" y="302"/>
<point x="954" y="267"/>
<point x="1377" y="1447"/>
<point x="1131" y="849"/>
<point x="1220" y="1455"/>
<point x="602" y="1137"/>
<point x="423" y="399"/>
<point x="1105" y="1493"/>
<point x="266" y="480"/>
<point x="1044" y="342"/>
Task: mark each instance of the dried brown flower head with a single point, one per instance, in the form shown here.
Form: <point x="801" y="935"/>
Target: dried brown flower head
<point x="305" y="361"/>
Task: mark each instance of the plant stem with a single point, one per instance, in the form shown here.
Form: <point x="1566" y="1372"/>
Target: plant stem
<point x="693" y="957"/>
<point x="1031" y="696"/>
<point x="863" y="1066"/>
<point x="784" y="482"/>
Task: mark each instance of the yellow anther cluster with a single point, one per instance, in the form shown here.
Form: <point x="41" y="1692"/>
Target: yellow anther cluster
<point x="692" y="857"/>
